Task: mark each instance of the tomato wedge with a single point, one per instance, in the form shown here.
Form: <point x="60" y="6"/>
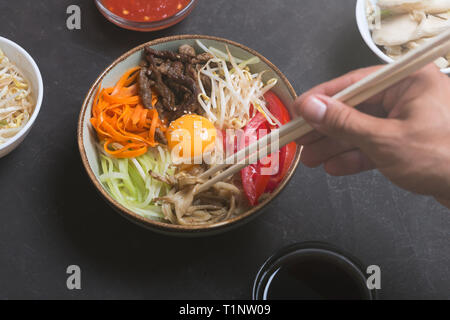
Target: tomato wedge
<point x="286" y="157"/>
<point x="253" y="181"/>
<point x="276" y="107"/>
<point x="287" y="153"/>
<point x="256" y="183"/>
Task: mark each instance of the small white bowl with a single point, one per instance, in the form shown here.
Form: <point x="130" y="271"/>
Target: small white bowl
<point x="30" y="70"/>
<point x="363" y="27"/>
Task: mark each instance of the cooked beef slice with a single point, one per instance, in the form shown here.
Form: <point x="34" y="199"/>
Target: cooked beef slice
<point x="145" y="90"/>
<point x="174" y="75"/>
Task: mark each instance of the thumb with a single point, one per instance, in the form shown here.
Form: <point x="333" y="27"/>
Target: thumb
<point x="333" y="118"/>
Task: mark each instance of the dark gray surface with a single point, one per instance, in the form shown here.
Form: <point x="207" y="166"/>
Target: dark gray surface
<point x="51" y="217"/>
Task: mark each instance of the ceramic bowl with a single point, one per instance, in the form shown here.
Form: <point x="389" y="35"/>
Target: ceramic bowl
<point x="363" y="27"/>
<point x="30" y="70"/>
<point x="145" y="26"/>
<point x="327" y="257"/>
<point x="87" y="138"/>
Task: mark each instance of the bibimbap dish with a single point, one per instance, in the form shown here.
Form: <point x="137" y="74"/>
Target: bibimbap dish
<point x="168" y="111"/>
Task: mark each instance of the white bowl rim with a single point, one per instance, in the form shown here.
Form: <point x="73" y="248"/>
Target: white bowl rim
<point x="39" y="98"/>
<point x="361" y="20"/>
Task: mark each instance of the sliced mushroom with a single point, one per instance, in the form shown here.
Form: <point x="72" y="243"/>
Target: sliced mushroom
<point x="395" y="30"/>
<point x="432" y="26"/>
<point x="403" y="6"/>
<point x="402" y="29"/>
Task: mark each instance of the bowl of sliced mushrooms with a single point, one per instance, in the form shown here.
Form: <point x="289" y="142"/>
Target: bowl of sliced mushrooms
<point x="391" y="28"/>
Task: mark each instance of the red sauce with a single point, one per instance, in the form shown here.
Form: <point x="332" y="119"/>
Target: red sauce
<point x="145" y="10"/>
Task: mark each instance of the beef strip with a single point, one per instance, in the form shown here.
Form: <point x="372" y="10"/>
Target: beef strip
<point x="163" y="113"/>
<point x="183" y="56"/>
<point x="175" y="77"/>
<point x="160" y="137"/>
<point x="158" y="61"/>
<point x="145" y="90"/>
<point x="177" y="88"/>
<point x="143" y="63"/>
<point x="206" y="84"/>
<point x="164" y="54"/>
<point x="190" y="103"/>
<point x="164" y="67"/>
<point x="167" y="97"/>
<point x="187" y="50"/>
<point x="202" y="58"/>
<point x="184" y="80"/>
<point x="177" y="68"/>
<point x="191" y="72"/>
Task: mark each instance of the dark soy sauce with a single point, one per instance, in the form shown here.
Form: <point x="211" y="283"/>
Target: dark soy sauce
<point x="313" y="274"/>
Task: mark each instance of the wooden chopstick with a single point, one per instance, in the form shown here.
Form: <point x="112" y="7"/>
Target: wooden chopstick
<point x="353" y="95"/>
<point x="399" y="75"/>
<point x="296" y="124"/>
<point x="396" y="67"/>
<point x="261" y="153"/>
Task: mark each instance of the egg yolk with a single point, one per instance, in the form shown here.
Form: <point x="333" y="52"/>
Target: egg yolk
<point x="191" y="136"/>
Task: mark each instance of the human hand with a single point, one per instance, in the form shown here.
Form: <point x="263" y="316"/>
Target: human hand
<point x="404" y="131"/>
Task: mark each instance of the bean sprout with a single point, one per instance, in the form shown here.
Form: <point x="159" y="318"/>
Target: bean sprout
<point x="233" y="91"/>
<point x="16" y="104"/>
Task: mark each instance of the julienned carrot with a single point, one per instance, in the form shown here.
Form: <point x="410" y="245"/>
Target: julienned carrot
<point x="154" y="123"/>
<point x="122" y="123"/>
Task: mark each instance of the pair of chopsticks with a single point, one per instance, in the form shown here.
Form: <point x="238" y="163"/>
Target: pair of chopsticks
<point x="352" y="96"/>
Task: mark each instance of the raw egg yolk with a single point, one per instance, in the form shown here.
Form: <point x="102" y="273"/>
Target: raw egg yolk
<point x="192" y="135"/>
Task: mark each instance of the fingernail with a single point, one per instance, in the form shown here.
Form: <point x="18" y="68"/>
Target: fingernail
<point x="314" y="110"/>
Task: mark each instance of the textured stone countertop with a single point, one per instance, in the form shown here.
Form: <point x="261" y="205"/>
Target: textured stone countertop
<point x="52" y="217"/>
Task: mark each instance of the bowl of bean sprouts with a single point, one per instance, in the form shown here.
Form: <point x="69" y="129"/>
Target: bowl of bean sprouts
<point x="21" y="92"/>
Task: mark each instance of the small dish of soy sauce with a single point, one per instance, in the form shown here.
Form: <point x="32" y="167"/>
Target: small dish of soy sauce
<point x="311" y="271"/>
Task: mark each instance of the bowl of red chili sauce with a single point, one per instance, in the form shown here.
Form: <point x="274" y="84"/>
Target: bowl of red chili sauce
<point x="145" y="15"/>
